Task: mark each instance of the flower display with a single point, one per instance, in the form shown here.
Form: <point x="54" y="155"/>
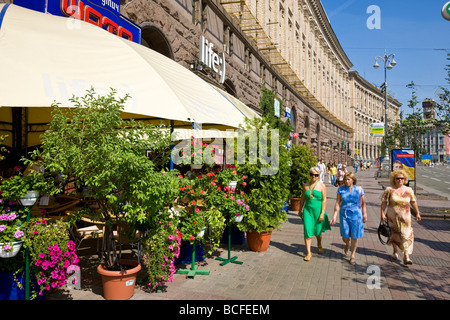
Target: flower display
<point x="52" y="253"/>
<point x="160" y="251"/>
<point x="12" y="218"/>
<point x="195" y="151"/>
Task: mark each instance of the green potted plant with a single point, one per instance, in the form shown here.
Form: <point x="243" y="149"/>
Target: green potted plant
<point x="267" y="187"/>
<point x="107" y="156"/>
<point x="301" y="161"/>
<point x="25" y="187"/>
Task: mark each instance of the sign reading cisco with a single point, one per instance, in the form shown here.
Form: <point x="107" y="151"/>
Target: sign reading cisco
<point x="102" y="13"/>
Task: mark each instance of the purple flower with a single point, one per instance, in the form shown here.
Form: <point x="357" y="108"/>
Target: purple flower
<point x="2" y="227"/>
<point x="18" y="234"/>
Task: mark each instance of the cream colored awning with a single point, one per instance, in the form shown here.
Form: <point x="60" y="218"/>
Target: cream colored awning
<point x="45" y="58"/>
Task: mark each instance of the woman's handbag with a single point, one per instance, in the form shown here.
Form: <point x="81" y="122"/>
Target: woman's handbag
<point x="385" y="231"/>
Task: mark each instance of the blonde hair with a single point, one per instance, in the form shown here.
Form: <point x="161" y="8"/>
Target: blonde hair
<point x="350" y="175"/>
<point x="315" y="169"/>
<point x="395" y="174"/>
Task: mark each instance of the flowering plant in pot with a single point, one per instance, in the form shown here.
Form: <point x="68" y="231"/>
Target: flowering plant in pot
<point x="12" y="235"/>
<point x="108" y="156"/>
<point x="198" y="219"/>
<point x="51" y="253"/>
<point x="225" y="194"/>
<point x="195" y="152"/>
<point x="161" y="249"/>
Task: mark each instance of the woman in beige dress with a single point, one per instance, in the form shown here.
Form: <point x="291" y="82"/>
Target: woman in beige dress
<point x="397" y="198"/>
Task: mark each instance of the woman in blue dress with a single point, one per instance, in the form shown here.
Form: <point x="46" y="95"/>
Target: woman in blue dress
<point x="351" y="205"/>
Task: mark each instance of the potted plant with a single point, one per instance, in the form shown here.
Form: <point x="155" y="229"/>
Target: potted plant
<point x="26" y="187"/>
<point x="199" y="219"/>
<point x="301" y="161"/>
<point x="12" y="228"/>
<point x="266" y="189"/>
<point x="52" y="253"/>
<point x="107" y="155"/>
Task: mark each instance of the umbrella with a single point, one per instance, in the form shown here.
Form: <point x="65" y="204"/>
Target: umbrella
<point x="45" y="58"/>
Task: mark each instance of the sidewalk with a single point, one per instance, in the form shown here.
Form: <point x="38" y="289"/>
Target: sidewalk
<point x="281" y="274"/>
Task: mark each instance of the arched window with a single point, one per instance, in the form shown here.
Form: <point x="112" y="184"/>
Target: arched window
<point x="154" y="38"/>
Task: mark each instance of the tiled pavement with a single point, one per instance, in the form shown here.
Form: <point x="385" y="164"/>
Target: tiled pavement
<point x="281" y="274"/>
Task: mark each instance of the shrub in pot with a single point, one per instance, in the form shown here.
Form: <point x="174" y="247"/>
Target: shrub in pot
<point x="302" y="160"/>
<point x="267" y="182"/>
<point x="107" y="155"/>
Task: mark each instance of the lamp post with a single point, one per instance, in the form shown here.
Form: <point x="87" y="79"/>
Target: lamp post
<point x="389" y="63"/>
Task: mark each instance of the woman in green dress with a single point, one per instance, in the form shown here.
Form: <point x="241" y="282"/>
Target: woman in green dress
<point x="312" y="211"/>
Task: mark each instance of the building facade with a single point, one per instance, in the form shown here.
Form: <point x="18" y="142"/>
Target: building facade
<point x="367" y="103"/>
<point x="286" y="45"/>
<point x="433" y="142"/>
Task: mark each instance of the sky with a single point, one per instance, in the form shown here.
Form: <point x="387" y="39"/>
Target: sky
<point x="413" y="30"/>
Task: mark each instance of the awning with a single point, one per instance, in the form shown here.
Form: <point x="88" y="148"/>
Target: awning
<point x="45" y="58"/>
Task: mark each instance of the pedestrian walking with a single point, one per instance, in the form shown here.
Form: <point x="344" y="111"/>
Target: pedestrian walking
<point x="340" y="175"/>
<point x="322" y="167"/>
<point x="351" y="205"/>
<point x="356" y="166"/>
<point x="397" y="200"/>
<point x="333" y="171"/>
<point x="312" y="211"/>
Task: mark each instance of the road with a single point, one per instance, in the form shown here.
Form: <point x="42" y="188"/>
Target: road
<point x="436" y="178"/>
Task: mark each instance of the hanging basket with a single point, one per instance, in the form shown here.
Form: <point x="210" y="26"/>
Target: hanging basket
<point x="30" y="198"/>
<point x="11" y="253"/>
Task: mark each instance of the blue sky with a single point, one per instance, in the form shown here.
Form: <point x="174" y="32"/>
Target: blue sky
<point x="413" y="30"/>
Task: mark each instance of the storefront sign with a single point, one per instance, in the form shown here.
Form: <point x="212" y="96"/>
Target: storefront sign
<point x="211" y="59"/>
<point x="102" y="13"/>
<point x="404" y="159"/>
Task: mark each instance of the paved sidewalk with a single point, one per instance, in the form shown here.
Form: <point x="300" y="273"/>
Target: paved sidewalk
<point x="281" y="274"/>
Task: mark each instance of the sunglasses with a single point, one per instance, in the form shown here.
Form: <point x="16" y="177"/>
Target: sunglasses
<point x="399" y="178"/>
<point x="314" y="174"/>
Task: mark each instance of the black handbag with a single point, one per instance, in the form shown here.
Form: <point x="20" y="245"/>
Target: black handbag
<point x="385" y="231"/>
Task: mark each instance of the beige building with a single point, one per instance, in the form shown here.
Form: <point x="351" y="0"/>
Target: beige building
<point x="367" y="104"/>
<point x="286" y="45"/>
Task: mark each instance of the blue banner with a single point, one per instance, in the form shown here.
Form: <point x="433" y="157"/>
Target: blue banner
<point x="102" y="13"/>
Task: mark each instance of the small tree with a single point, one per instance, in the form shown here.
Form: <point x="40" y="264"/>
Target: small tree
<point x="106" y="155"/>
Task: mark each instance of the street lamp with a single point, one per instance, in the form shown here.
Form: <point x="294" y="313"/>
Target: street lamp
<point x="389" y="63"/>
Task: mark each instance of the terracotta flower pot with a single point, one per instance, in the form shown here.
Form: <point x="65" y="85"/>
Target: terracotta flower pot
<point x="295" y="204"/>
<point x="119" y="285"/>
<point x="258" y="242"/>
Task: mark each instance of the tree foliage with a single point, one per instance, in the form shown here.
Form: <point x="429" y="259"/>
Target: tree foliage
<point x="107" y="157"/>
